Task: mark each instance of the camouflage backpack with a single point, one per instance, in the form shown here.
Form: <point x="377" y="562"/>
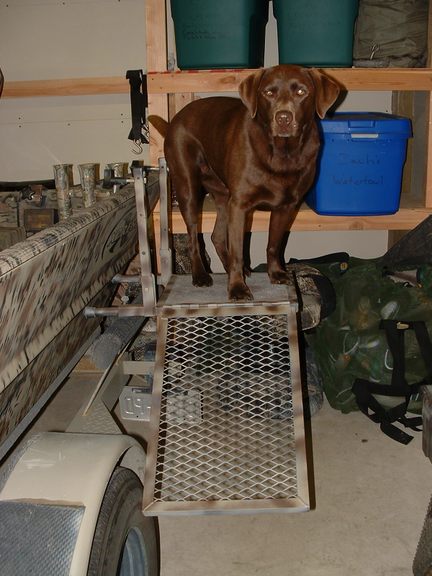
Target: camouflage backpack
<point x="374" y="351"/>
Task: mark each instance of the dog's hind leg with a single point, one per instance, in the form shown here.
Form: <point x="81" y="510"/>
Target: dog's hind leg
<point x="220" y="194"/>
<point x="189" y="197"/>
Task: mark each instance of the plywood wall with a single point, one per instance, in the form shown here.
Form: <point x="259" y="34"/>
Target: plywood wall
<point x="44" y="39"/>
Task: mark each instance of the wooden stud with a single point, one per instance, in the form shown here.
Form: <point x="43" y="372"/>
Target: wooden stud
<point x="156" y="40"/>
<point x="179" y="101"/>
<point x="428" y="144"/>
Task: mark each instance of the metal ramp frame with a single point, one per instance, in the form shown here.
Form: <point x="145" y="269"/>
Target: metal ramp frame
<point x="227" y="430"/>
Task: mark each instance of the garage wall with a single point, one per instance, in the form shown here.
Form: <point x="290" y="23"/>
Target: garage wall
<point x="43" y="39"/>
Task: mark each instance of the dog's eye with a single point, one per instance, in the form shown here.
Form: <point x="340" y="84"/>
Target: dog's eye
<point x="300" y="92"/>
<point x="269" y="93"/>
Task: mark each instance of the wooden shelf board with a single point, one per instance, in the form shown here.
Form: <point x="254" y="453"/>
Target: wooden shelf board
<point x="66" y="87"/>
<point x="371" y="79"/>
<point x="307" y="220"/>
<point x="409" y="79"/>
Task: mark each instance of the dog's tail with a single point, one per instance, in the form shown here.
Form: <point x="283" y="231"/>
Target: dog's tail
<point x="159" y="123"/>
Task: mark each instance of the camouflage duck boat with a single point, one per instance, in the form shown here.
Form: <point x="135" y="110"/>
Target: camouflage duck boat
<point x="46" y="281"/>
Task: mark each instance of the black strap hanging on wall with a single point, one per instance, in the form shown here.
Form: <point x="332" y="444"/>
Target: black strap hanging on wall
<point x="139" y="102"/>
<point x="364" y="390"/>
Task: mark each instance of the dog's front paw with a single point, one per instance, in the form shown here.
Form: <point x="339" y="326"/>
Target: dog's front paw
<point x="203" y="279"/>
<point x="239" y="291"/>
<point x="280" y="277"/>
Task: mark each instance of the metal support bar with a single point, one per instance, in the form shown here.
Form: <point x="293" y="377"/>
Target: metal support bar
<point x="125" y="279"/>
<point x="115" y="311"/>
<point x="144" y="205"/>
<point x="110" y="181"/>
<point x="148" y="283"/>
<point x="165" y="250"/>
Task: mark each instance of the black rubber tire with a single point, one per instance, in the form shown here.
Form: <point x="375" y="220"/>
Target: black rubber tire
<point x="123" y="536"/>
<point x="422" y="565"/>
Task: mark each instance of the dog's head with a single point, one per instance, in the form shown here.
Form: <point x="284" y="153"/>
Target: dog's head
<point x="285" y="98"/>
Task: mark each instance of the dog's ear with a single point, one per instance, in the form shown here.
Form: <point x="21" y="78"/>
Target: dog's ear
<point x="248" y="91"/>
<point x="327" y="91"/>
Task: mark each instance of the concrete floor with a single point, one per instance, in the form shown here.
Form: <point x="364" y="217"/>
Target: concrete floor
<point x="371" y="496"/>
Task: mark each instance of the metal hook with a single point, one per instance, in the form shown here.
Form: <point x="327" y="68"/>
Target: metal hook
<point x="138" y="150"/>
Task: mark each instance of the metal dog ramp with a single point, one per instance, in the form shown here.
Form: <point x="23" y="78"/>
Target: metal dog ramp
<point x="227" y="430"/>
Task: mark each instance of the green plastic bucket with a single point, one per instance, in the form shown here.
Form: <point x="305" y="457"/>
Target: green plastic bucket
<point x="316" y="32"/>
<point x="219" y="33"/>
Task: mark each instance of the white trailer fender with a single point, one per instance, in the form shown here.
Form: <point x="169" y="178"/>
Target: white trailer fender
<point x="71" y="470"/>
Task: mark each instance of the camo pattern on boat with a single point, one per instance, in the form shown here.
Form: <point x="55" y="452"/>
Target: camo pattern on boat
<point x="45" y="283"/>
<point x="29" y="386"/>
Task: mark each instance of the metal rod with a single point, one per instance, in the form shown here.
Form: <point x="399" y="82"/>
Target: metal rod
<point x="148" y="283"/>
<point x="125" y="279"/>
<point x="165" y="250"/>
<point x="113" y="311"/>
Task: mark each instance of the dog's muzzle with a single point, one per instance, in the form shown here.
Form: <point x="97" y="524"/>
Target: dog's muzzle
<point x="284" y="123"/>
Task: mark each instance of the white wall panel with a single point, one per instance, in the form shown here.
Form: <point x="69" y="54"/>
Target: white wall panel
<point x="61" y="39"/>
<point x="37" y="133"/>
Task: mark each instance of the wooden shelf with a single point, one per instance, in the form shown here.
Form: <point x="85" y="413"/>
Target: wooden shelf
<point x="184" y="84"/>
<point x="307" y="220"/>
<point x="65" y="87"/>
<point x="362" y="79"/>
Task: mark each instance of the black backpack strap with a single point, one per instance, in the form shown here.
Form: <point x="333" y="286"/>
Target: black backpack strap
<point x="364" y="390"/>
<point x="425" y="345"/>
<point x="139" y="103"/>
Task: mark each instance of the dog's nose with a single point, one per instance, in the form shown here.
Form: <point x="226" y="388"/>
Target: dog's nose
<point x="284" y="117"/>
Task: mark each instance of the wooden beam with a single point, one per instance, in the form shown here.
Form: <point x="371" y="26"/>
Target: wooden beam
<point x="156" y="40"/>
<point x="307" y="220"/>
<point x="362" y="79"/>
<point x="162" y="83"/>
<point x="66" y="87"/>
<point x="179" y="101"/>
<point x="428" y="151"/>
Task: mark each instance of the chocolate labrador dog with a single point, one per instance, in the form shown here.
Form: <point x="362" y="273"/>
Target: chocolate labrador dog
<point x="256" y="152"/>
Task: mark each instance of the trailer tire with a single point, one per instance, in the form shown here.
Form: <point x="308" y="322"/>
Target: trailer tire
<point x="125" y="541"/>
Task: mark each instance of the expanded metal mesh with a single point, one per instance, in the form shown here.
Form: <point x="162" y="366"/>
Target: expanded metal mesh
<point x="226" y="429"/>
